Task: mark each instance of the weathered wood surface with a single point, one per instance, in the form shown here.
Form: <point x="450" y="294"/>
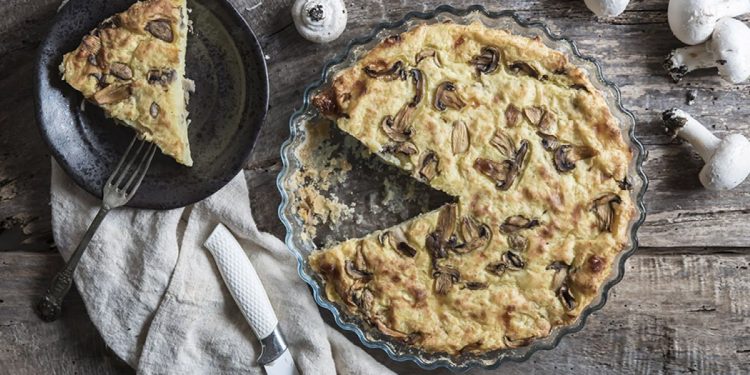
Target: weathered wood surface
<point x="683" y="306"/>
<point x="677" y="311"/>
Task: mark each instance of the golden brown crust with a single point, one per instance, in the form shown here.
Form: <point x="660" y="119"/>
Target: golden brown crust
<point x="536" y="160"/>
<point x="132" y="66"/>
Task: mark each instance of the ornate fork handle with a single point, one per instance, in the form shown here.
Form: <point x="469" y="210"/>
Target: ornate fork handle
<point x="117" y="191"/>
<point x="50" y="305"/>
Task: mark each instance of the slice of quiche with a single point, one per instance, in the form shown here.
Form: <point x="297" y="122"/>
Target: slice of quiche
<point x="133" y="67"/>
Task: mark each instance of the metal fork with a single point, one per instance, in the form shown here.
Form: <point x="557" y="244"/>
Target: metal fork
<point x="119" y="189"/>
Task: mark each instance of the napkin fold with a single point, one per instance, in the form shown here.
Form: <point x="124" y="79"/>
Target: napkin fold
<point x="158" y="300"/>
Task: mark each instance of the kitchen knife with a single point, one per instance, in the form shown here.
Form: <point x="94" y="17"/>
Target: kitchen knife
<point x="245" y="286"/>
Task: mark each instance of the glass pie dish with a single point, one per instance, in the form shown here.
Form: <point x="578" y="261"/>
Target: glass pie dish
<point x="314" y="146"/>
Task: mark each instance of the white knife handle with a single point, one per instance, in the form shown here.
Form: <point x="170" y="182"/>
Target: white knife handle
<point x="242" y="281"/>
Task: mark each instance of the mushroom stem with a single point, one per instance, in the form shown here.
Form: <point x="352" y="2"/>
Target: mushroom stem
<point x="727" y="160"/>
<point x="681" y="124"/>
<point x="727" y="50"/>
<point x="682" y="61"/>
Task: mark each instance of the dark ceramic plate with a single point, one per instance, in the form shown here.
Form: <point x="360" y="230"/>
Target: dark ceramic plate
<point x="227" y="110"/>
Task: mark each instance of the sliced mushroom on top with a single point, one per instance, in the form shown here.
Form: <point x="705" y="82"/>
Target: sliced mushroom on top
<point x="566" y="156"/>
<point x="459" y="137"/>
<point x="517" y="242"/>
<point x="419" y="85"/>
<point x="91" y="44"/>
<point x="389" y="331"/>
<point x="549" y="142"/>
<point x="516" y="223"/>
<point x="362" y="298"/>
<point x="399" y="128"/>
<point x="561" y="284"/>
<point x="395" y="71"/>
<point x="112" y="94"/>
<point x="475" y="235"/>
<point x="355" y="273"/>
<point x="435" y="247"/>
<point x="521" y="152"/>
<point x="604" y="210"/>
<point x="512" y="115"/>
<point x="447" y="96"/>
<point x="446" y="222"/>
<point x="501" y="173"/>
<point x="445" y="277"/>
<point x="561" y="273"/>
<point x="161" y="29"/>
<point x="547" y="122"/>
<point x="475" y="285"/>
<point x="161" y="77"/>
<point x="510" y="261"/>
<point x="510" y="169"/>
<point x="497" y="268"/>
<point x="513" y="260"/>
<point x="534" y="114"/>
<point x="522" y="67"/>
<point x="425" y="53"/>
<point x="396" y="239"/>
<point x="486" y="62"/>
<point x="443" y="238"/>
<point x="404" y="148"/>
<point x="505" y="172"/>
<point x="540" y="117"/>
<point x="365" y="301"/>
<point x="429" y="166"/>
<point x="121" y="71"/>
<point x="503" y="143"/>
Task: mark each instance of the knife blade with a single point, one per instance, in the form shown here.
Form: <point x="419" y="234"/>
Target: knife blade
<point x="248" y="292"/>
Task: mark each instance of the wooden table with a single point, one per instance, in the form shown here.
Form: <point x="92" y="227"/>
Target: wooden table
<point x="684" y="305"/>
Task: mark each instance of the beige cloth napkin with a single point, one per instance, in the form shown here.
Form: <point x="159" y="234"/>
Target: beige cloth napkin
<point x="158" y="300"/>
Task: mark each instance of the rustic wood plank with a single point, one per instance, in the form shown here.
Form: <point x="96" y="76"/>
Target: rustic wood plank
<point x="24" y="165"/>
<point x="676" y="311"/>
<point x="28" y="345"/>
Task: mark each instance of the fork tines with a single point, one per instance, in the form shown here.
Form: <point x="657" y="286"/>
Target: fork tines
<point x="126" y="179"/>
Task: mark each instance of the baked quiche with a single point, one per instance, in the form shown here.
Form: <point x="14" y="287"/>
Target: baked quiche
<point x="536" y="161"/>
<point x="133" y="67"/>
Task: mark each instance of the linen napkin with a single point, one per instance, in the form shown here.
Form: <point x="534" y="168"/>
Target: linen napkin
<point x="158" y="300"/>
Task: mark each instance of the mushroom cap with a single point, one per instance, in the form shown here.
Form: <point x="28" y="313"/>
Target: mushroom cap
<point x="729" y="165"/>
<point x="731" y="49"/>
<point x="693" y="21"/>
<point x="607" y="8"/>
<point x="319" y="21"/>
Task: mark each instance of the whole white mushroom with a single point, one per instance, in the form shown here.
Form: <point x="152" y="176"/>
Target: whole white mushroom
<point x="607" y="8"/>
<point x="693" y="21"/>
<point x="728" y="50"/>
<point x="727" y="160"/>
<point x="319" y="21"/>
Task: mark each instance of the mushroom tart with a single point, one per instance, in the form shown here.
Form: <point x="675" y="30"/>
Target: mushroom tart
<point x="536" y="161"/>
<point x="133" y="67"/>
